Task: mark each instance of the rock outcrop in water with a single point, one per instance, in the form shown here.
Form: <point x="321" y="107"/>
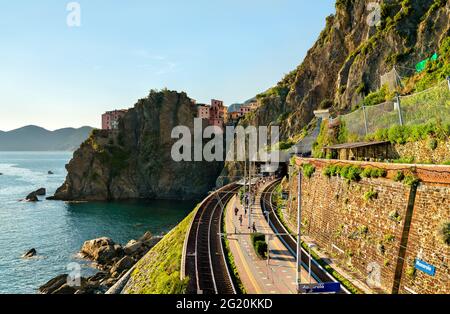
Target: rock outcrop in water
<point x="135" y="161"/>
<point x="110" y="258"/>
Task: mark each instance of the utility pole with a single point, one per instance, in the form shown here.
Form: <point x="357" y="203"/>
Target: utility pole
<point x="299" y="226"/>
<point x="399" y="107"/>
<point x="245" y="177"/>
<point x="448" y="81"/>
<point x="250" y="197"/>
<point x="365" y="119"/>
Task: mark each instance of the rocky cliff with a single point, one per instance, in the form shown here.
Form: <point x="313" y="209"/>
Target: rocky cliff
<point x="135" y="161"/>
<point x="350" y="55"/>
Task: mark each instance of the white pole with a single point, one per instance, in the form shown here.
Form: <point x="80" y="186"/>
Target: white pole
<point x="309" y="264"/>
<point x="400" y="117"/>
<point x="299" y="224"/>
<point x="448" y="81"/>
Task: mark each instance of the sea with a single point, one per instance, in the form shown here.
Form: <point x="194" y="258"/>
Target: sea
<point x="58" y="229"/>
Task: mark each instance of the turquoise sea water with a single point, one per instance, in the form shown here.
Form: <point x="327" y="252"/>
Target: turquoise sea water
<point x="57" y="229"/>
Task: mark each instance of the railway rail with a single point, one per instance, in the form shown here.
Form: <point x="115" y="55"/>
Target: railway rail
<point x="317" y="271"/>
<point x="205" y="262"/>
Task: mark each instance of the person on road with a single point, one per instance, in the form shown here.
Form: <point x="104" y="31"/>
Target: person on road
<point x="254" y="227"/>
<point x="236" y="211"/>
<point x="240" y="219"/>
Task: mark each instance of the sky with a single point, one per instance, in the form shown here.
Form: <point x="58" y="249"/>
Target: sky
<point x="55" y="75"/>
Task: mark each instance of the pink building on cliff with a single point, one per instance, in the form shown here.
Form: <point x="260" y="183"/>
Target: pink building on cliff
<point x="110" y="119"/>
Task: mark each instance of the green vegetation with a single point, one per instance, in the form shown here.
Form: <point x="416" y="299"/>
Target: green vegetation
<point x="444" y="233"/>
<point x="308" y="170"/>
<point x="389" y="238"/>
<point x="399" y="176"/>
<point x="259" y="244"/>
<point x="395" y="216"/>
<point x="411" y="272"/>
<point x="377" y="97"/>
<point x="159" y="271"/>
<point x="434" y="72"/>
<point x="411" y="180"/>
<point x="432" y="143"/>
<point x="370" y="195"/>
<point x="351" y="173"/>
<point x="363" y="230"/>
<point x="370" y="172"/>
<point x="411" y="133"/>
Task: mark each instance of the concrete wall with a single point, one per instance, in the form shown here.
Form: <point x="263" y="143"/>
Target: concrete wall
<point x="374" y="237"/>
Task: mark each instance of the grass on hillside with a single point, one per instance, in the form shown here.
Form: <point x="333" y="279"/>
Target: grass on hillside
<point x="159" y="271"/>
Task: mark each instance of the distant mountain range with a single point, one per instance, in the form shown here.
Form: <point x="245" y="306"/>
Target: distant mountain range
<point x="34" y="138"/>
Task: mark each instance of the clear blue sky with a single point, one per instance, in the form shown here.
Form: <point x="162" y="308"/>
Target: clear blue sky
<point x="55" y="76"/>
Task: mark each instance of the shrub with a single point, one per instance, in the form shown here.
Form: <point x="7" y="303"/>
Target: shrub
<point x="370" y="195"/>
<point x="370" y="172"/>
<point x="411" y="180"/>
<point x="351" y="173"/>
<point x="444" y="233"/>
<point x="395" y="216"/>
<point x="261" y="248"/>
<point x="308" y="170"/>
<point x="411" y="272"/>
<point x="257" y="237"/>
<point x="332" y="170"/>
<point x="363" y="230"/>
<point x="389" y="238"/>
<point x="259" y="244"/>
<point x="432" y="143"/>
<point x="399" y="176"/>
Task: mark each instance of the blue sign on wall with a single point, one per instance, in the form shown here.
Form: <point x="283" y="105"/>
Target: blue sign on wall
<point x="425" y="267"/>
<point x="324" y="287"/>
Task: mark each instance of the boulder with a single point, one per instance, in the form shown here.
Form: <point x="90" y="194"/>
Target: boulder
<point x="132" y="247"/>
<point x="30" y="253"/>
<point x="97" y="278"/>
<point x="101" y="250"/>
<point x="41" y="192"/>
<point x="65" y="289"/>
<point x="123" y="265"/>
<point x="32" y="197"/>
<point x="53" y="284"/>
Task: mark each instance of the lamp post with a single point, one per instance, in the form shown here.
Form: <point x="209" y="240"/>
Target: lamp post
<point x="299" y="224"/>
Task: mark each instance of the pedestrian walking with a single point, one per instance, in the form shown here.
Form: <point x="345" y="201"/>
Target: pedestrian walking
<point x="240" y="219"/>
<point x="236" y="211"/>
<point x="254" y="227"/>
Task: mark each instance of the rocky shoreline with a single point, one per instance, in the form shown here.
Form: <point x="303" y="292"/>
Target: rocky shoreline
<point x="111" y="259"/>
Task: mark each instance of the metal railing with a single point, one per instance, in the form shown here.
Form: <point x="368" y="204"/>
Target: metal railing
<point x="427" y="106"/>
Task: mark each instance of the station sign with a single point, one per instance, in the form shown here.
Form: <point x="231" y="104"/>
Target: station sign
<point x="425" y="267"/>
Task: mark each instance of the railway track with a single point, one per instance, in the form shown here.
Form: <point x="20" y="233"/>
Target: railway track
<point x="318" y="272"/>
<point x="205" y="261"/>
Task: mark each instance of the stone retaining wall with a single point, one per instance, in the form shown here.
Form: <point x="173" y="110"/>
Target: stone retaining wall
<point x="373" y="236"/>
